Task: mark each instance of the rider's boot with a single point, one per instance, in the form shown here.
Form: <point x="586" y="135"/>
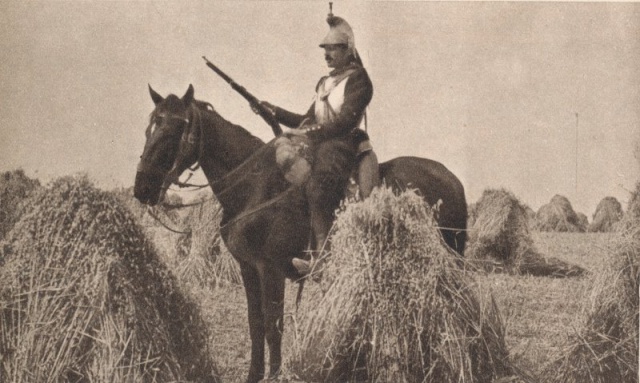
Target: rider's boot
<point x="320" y="226"/>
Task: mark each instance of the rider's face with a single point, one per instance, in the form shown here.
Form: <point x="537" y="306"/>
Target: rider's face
<point x="336" y="56"/>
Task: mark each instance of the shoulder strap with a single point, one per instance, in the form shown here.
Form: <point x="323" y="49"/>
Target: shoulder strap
<point x="321" y="82"/>
<point x="337" y="80"/>
<point x="344" y="75"/>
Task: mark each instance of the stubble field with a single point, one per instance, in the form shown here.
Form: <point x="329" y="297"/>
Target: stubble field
<point x="178" y="297"/>
<point x="540" y="313"/>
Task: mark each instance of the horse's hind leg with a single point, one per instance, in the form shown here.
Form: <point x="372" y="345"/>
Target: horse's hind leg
<point x="273" y="284"/>
<point x="251" y="281"/>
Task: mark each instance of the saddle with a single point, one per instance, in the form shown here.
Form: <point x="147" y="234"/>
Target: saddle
<point x="294" y="158"/>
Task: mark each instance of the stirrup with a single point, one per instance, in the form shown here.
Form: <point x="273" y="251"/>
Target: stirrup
<point x="302" y="266"/>
<point x="312" y="268"/>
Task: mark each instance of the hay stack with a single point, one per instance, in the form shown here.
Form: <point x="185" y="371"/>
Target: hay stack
<point x="397" y="306"/>
<point x="558" y="215"/>
<point x="198" y="257"/>
<point x="207" y="262"/>
<point x="138" y="210"/>
<point x="606" y="349"/>
<point x="583" y="221"/>
<point x="632" y="215"/>
<point x="15" y="188"/>
<point x="531" y="216"/>
<point x="472" y="214"/>
<point x="608" y="213"/>
<point x="500" y="239"/>
<point x="83" y="297"/>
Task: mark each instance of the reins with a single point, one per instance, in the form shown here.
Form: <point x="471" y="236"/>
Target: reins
<point x="258" y="208"/>
<point x="170" y="206"/>
<point x="186" y="183"/>
<point x="152" y="214"/>
<point x="189" y="136"/>
<point x="231" y="174"/>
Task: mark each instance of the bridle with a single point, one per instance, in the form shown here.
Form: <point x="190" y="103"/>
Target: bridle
<point x="154" y="169"/>
<point x="173" y="117"/>
<point x="193" y="135"/>
<point x="189" y="138"/>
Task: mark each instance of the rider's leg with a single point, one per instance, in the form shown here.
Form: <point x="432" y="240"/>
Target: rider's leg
<point x="332" y="164"/>
<point x="321" y="221"/>
<point x="368" y="173"/>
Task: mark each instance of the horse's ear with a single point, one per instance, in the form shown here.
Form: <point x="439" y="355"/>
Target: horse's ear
<point x="155" y="96"/>
<point x="188" y="97"/>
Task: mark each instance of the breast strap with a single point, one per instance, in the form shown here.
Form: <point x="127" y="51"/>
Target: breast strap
<point x="324" y="91"/>
<point x="337" y="80"/>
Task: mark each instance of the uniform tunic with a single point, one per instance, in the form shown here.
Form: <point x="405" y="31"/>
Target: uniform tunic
<point x="331" y="123"/>
<point x="348" y="99"/>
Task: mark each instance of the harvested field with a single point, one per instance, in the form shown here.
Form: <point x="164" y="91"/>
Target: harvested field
<point x="541" y="317"/>
<point x="606" y="347"/>
<point x="84" y="297"/>
<point x="539" y="313"/>
<point x="396" y="305"/>
<point x="500" y="239"/>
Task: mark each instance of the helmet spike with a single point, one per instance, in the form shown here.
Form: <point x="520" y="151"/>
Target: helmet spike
<point x="330" y="9"/>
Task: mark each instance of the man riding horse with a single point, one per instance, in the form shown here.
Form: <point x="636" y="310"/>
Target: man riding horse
<point x="331" y="125"/>
<point x="266" y="216"/>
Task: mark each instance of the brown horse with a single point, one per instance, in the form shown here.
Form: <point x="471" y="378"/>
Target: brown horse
<point x="265" y="220"/>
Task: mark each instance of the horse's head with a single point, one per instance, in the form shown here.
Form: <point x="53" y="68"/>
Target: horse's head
<point x="170" y="147"/>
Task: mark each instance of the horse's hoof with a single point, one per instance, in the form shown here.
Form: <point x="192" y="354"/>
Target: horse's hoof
<point x="271" y="379"/>
<point x="254" y="378"/>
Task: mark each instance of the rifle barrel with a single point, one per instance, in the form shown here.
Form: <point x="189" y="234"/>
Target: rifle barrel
<point x="219" y="71"/>
<point x="255" y="103"/>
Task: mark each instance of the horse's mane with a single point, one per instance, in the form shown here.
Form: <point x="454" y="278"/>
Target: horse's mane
<point x="221" y="122"/>
<point x="203" y="105"/>
<point x="205" y="110"/>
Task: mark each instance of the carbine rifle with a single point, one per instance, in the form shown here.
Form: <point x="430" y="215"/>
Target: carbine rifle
<point x="262" y="110"/>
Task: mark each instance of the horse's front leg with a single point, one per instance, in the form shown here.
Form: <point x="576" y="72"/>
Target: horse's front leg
<point x="273" y="284"/>
<point x="252" y="286"/>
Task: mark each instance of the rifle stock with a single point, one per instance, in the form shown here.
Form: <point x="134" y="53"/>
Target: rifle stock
<point x="253" y="101"/>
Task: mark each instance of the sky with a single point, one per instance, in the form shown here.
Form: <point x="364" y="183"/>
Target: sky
<point x="539" y="98"/>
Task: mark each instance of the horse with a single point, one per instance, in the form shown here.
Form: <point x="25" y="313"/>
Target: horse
<point x="265" y="222"/>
